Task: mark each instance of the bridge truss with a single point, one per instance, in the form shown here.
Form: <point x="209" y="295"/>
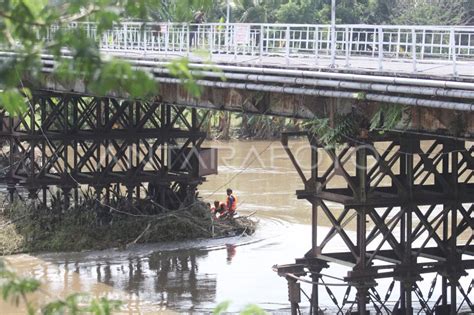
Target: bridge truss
<point x="410" y="201"/>
<point x="106" y="147"/>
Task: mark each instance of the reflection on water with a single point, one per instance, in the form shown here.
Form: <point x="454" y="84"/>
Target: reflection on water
<point x="148" y="284"/>
<point x="231" y="251"/>
<point x="152" y="278"/>
<point x="178" y="277"/>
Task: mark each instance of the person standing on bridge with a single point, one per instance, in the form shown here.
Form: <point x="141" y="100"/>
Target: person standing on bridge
<point x="231" y="202"/>
<point x="198" y="19"/>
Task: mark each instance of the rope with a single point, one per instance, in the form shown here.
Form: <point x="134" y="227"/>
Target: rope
<point x="242" y="170"/>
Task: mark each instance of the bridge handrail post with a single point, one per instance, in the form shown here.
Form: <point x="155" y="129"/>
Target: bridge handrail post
<point x="348" y="37"/>
<point x="399" y="35"/>
<point x="188" y="37"/>
<point x="153" y="38"/>
<point x="200" y="37"/>
<point x="346" y="42"/>
<point x="380" y="45"/>
<point x="452" y="48"/>
<point x="211" y="41"/>
<point x="413" y="49"/>
<point x="227" y="37"/>
<point x="287" y="51"/>
<point x="333" y="45"/>
<point x="262" y="30"/>
<point x="316" y="45"/>
<point x="234" y="41"/>
<point x="423" y="39"/>
<point x="145" y="43"/>
<point x="374" y="41"/>
<point x="167" y="38"/>
<point x="125" y="36"/>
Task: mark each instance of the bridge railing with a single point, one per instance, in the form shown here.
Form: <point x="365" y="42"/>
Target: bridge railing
<point x="415" y="44"/>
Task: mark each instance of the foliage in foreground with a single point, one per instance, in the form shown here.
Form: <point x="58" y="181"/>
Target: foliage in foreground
<point x="248" y="310"/>
<point x="26" y="37"/>
<point x="17" y="290"/>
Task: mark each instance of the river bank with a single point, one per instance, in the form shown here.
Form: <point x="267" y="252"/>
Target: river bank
<point x="93" y="226"/>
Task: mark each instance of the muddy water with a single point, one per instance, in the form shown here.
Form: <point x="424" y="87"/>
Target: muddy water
<point x="195" y="276"/>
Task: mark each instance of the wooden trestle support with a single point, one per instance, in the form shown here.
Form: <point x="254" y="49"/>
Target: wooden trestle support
<point x="65" y="143"/>
<point x="408" y="203"/>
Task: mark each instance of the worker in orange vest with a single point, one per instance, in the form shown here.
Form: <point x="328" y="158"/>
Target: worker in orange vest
<point x="231" y="202"/>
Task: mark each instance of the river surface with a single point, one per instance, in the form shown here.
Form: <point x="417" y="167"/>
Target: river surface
<point x="194" y="276"/>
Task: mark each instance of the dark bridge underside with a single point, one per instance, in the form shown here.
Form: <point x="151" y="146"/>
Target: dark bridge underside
<point x="112" y="147"/>
<point x="435" y="105"/>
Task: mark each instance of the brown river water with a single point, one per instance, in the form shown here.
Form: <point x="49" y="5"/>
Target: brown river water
<point x="194" y="276"/>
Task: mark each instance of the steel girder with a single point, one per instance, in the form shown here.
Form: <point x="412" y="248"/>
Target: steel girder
<point x="404" y="211"/>
<point x="111" y="147"/>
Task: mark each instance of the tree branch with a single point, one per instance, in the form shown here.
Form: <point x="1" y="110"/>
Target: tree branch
<point x="88" y="11"/>
<point x="10" y="17"/>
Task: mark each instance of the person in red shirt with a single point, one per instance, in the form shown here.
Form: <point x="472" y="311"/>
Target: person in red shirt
<point x="218" y="209"/>
<point x="215" y="207"/>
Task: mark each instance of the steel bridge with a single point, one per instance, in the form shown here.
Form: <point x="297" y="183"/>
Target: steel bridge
<point x="410" y="193"/>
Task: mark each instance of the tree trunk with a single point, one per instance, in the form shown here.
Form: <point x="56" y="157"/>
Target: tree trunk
<point x="245" y="126"/>
<point x="224" y="126"/>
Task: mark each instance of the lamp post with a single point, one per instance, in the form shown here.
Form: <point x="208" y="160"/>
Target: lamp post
<point x="333" y="33"/>
<point x="228" y="12"/>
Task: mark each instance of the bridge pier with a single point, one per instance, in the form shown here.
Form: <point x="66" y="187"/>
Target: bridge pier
<point x="105" y="148"/>
<point x="400" y="209"/>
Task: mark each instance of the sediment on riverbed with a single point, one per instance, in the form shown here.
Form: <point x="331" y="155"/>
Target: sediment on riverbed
<point x="90" y="225"/>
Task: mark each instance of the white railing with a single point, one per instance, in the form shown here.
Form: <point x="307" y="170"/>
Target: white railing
<point x="413" y="44"/>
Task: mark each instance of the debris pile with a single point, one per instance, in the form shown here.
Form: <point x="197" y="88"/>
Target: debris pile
<point x="92" y="225"/>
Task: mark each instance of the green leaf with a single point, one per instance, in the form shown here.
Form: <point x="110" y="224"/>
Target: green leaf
<point x="13" y="101"/>
<point x="389" y="117"/>
<point x="119" y="76"/>
<point x="221" y="308"/>
<point x="361" y="96"/>
<point x="180" y="69"/>
<point x="106" y="20"/>
<point x="35" y="6"/>
<point x="103" y="306"/>
<point x="252" y="310"/>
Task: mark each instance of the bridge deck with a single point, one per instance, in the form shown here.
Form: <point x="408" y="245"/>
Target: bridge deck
<point x="398" y="67"/>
